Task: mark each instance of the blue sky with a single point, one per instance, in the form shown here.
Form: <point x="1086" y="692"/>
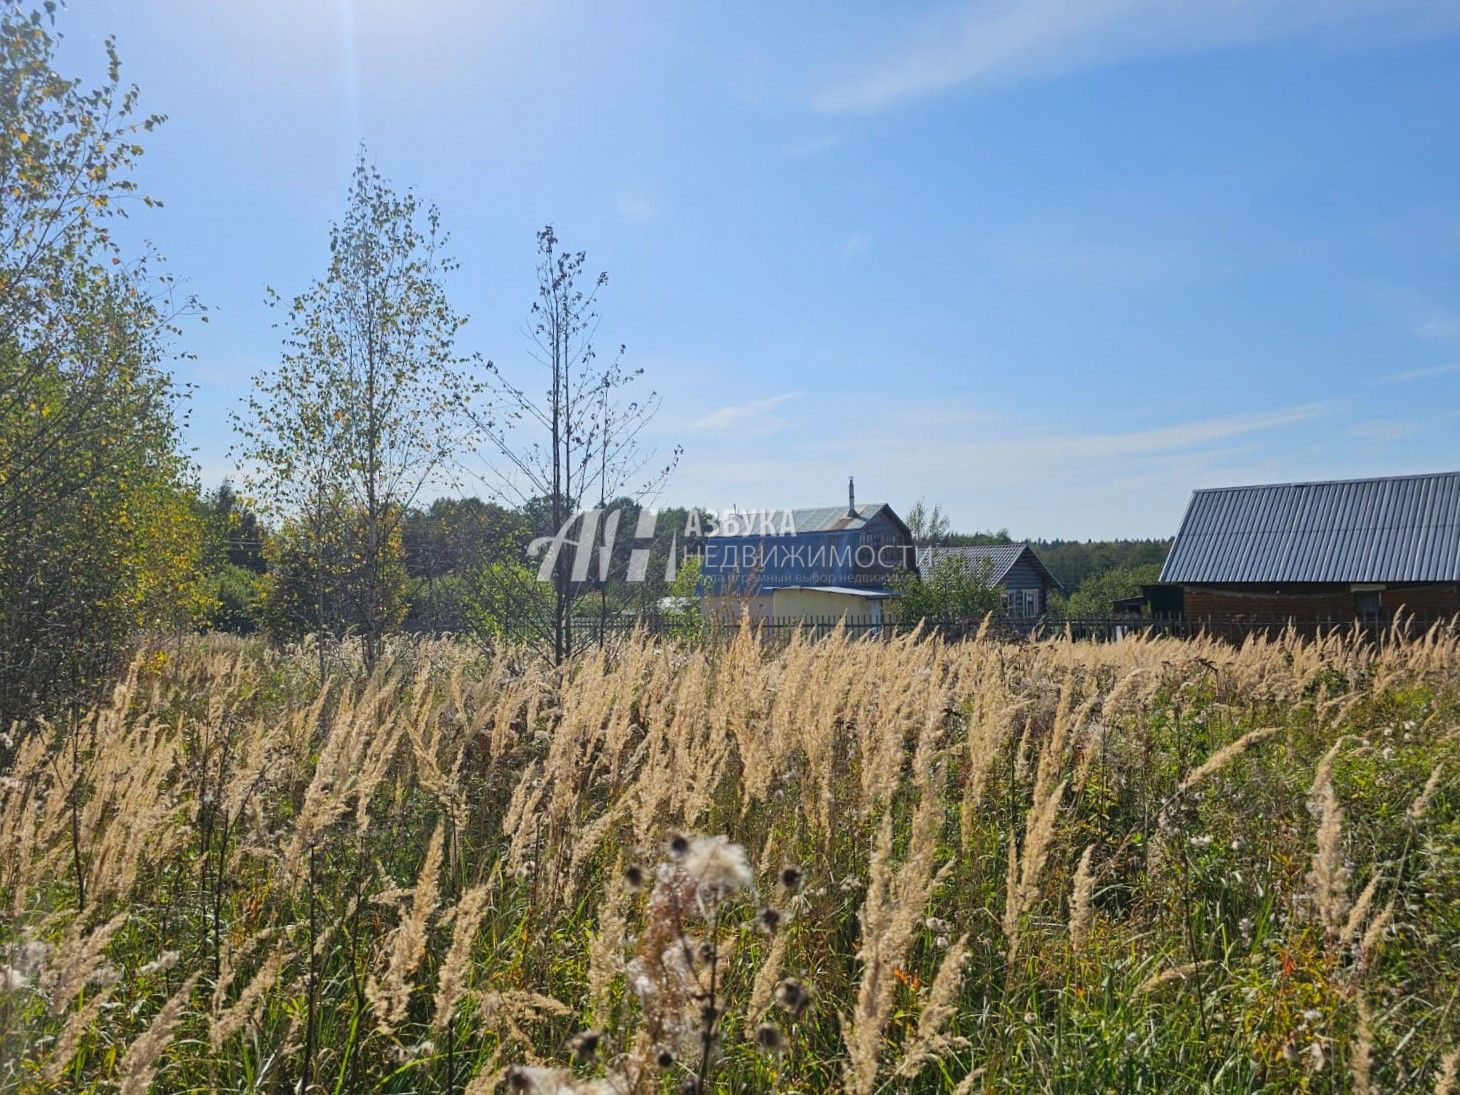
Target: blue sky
<point x="1052" y="264"/>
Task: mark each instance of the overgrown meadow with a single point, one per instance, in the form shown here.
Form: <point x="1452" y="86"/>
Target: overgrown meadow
<point x="835" y="865"/>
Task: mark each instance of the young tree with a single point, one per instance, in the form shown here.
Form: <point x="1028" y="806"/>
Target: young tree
<point x="1098" y="592"/>
<point x="443" y="543"/>
<point x="361" y="412"/>
<point x="952" y="592"/>
<point x="578" y="444"/>
<point x="97" y="537"/>
<point x="929" y="527"/>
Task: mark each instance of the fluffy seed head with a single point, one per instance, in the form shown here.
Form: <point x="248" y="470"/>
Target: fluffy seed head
<point x="584" y="1045"/>
<point x="717" y="867"/>
<point x="769" y="1039"/>
<point x="792" y="996"/>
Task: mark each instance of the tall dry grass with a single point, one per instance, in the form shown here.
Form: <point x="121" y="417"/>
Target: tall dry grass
<point x="900" y="866"/>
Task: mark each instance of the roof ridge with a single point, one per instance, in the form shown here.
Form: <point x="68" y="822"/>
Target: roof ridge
<point x="1329" y="482"/>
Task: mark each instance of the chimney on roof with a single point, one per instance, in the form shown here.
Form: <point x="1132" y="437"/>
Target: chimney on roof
<point x="851" y="497"/>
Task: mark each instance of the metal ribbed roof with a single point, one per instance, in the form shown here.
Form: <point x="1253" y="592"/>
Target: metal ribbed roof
<point x="1401" y="529"/>
<point x="1001" y="557"/>
<point x="815" y="519"/>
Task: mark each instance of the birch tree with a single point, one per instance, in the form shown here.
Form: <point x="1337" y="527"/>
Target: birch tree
<point x="362" y="412"/>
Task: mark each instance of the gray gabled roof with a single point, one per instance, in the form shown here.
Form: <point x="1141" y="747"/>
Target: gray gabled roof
<point x="819" y="519"/>
<point x="1399" y="529"/>
<point x="1001" y="559"/>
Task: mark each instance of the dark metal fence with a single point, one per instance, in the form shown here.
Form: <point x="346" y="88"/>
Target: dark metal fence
<point x="1234" y="629"/>
<point x="1012" y="628"/>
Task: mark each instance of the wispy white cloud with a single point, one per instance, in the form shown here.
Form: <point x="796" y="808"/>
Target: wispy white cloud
<point x="1054" y="251"/>
<point x="856" y="243"/>
<point x="993" y="470"/>
<point x="1189" y="435"/>
<point x="1438" y="328"/>
<point x="1388" y="431"/>
<point x="638" y="203"/>
<point x="1419" y="374"/>
<point x="737" y="416"/>
<point x="799" y="150"/>
<point x="1039" y="450"/>
<point x="1005" y="41"/>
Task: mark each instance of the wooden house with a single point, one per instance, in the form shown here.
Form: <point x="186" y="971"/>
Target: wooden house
<point x="1348" y="549"/>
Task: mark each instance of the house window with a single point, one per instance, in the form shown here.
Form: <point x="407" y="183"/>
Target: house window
<point x="1366" y="604"/>
<point x="1021" y="602"/>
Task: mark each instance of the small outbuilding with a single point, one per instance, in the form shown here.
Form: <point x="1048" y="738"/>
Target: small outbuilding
<point x="1347" y="549"/>
<point x="828" y="603"/>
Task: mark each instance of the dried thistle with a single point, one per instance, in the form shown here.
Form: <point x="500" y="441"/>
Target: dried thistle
<point x="584" y="1045"/>
<point x="792" y="997"/>
<point x="717" y="867"/>
<point x="769" y="1039"/>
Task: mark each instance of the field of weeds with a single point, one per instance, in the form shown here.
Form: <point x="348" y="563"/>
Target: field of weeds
<point x="826" y="866"/>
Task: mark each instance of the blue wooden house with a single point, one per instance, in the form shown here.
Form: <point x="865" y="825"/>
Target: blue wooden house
<point x="826" y="561"/>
